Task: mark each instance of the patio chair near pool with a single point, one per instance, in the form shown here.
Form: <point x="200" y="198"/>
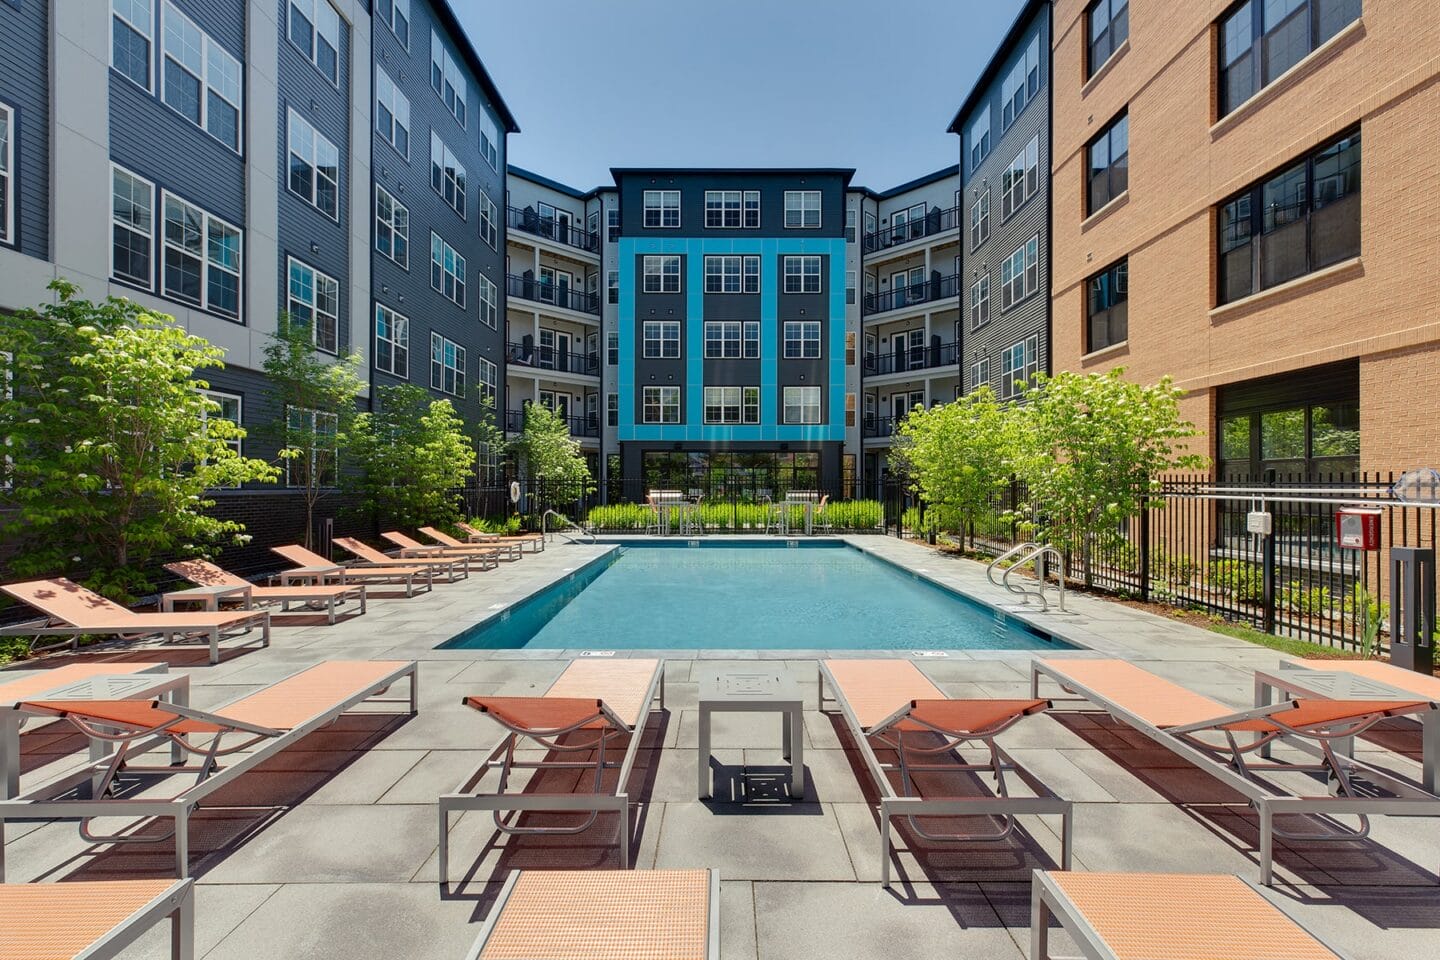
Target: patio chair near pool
<point x="505" y="549"/>
<point x="535" y="540"/>
<point x="73" y="611"/>
<point x="487" y="558"/>
<point x="588" y="914"/>
<point x="95" y="919"/>
<point x="603" y="701"/>
<point x="206" y="574"/>
<point x="455" y="568"/>
<point x="313" y="568"/>
<point x="892" y="704"/>
<point x="251" y="730"/>
<point x="1179" y="719"/>
<point x="1142" y="916"/>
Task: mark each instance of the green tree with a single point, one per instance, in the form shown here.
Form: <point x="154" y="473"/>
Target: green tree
<point x="316" y="396"/>
<point x="958" y="455"/>
<point x="412" y="455"/>
<point x="1090" y="447"/>
<point x="111" y="448"/>
<point x="550" y="457"/>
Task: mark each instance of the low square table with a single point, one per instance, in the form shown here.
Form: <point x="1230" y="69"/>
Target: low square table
<point x="208" y="597"/>
<point x="753" y="691"/>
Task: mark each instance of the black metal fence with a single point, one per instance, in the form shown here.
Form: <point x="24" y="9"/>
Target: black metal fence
<point x="526" y="287"/>
<point x="934" y="220"/>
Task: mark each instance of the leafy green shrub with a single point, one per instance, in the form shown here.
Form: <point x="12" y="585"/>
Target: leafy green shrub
<point x="502" y="525"/>
<point x="1307" y="601"/>
<point x="1244" y="581"/>
<point x="854" y="514"/>
<point x="620" y="516"/>
<point x="1367" y="613"/>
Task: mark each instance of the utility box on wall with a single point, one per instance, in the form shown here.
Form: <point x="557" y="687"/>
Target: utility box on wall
<point x="1357" y="528"/>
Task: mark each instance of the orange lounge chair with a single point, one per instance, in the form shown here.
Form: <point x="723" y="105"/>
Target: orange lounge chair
<point x="73" y="611"/>
<point x="265" y="722"/>
<point x="455" y="568"/>
<point x="1180" y="720"/>
<point x="505" y="549"/>
<point x="536" y="540"/>
<point x="886" y="701"/>
<point x="608" y="700"/>
<point x="95" y="919"/>
<point x="314" y="568"/>
<point x="207" y="574"/>
<point x="587" y="914"/>
<point x="1175" y="916"/>
<point x="486" y="557"/>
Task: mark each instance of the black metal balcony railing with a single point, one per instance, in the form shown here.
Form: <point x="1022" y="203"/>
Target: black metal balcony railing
<point x="529" y="288"/>
<point x="935" y="221"/>
<point x="881" y="426"/>
<point x="579" y="426"/>
<point x="529" y="220"/>
<point x="927" y="357"/>
<point x="914" y="294"/>
<point x="531" y="354"/>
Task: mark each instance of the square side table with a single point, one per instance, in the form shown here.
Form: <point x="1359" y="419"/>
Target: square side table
<point x="753" y="691"/>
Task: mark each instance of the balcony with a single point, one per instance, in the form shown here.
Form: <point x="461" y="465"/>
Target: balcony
<point x="568" y="298"/>
<point x="880" y="426"/>
<point x="556" y="230"/>
<point x="916" y="294"/>
<point x="915" y="358"/>
<point x="530" y="354"/>
<point x="579" y="426"/>
<point x="937" y="221"/>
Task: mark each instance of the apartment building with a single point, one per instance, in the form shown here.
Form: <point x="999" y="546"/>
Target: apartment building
<point x="1278" y="217"/>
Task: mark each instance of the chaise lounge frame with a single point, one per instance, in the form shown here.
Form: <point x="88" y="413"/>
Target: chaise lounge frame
<point x="329" y="596"/>
<point x="141" y="904"/>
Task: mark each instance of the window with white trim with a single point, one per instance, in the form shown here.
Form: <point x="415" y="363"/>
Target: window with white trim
<point x="660" y="405"/>
<point x="314" y="300"/>
<point x="751" y="219"/>
<point x="489" y="139"/>
<point x="662" y="208"/>
<point x="801" y="405"/>
<point x="612" y="409"/>
<point x="395" y="14"/>
<point x="980" y="301"/>
<point x="661" y="339"/>
<point x="732" y="404"/>
<point x="447" y="365"/>
<point x="132" y="25"/>
<point x="316" y="429"/>
<point x="802" y="274"/>
<point x="612" y="348"/>
<point x="447" y="270"/>
<point x="447" y="79"/>
<point x="392" y="342"/>
<point x="612" y="286"/>
<point x="1021" y="84"/>
<point x="315" y="31"/>
<point x="732" y="339"/>
<point x="392" y="227"/>
<point x="489" y="300"/>
<point x="612" y="224"/>
<point x="489" y="218"/>
<point x="487" y="461"/>
<point x="201" y="79"/>
<point x="723" y="209"/>
<point x="229" y="409"/>
<point x="662" y="274"/>
<point x="132" y="229"/>
<point x="802" y="339"/>
<point x="980" y="373"/>
<point x="802" y="209"/>
<point x="850" y="225"/>
<point x="980" y="220"/>
<point x="7" y="174"/>
<point x="447" y="174"/>
<point x="1020" y="362"/>
<point x="314" y="166"/>
<point x="732" y="274"/>
<point x="392" y="113"/>
<point x="489" y="380"/>
<point x="1021" y="180"/>
<point x="851" y="280"/>
<point x="979" y="137"/>
<point x="202" y="258"/>
<point x="1020" y="273"/>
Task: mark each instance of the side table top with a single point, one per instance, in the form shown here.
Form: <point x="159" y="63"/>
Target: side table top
<point x="749" y="686"/>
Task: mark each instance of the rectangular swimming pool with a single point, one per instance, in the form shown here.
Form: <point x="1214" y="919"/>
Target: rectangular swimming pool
<point x="767" y="595"/>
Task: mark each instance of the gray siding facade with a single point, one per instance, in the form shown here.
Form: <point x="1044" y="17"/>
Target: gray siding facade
<point x="25" y="89"/>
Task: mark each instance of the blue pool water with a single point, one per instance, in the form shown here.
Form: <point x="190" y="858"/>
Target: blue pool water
<point x="746" y="595"/>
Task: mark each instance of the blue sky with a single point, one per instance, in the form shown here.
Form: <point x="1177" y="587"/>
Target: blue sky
<point x="870" y="84"/>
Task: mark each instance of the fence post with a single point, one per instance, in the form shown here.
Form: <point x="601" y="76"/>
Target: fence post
<point x="1267" y="546"/>
<point x="1144" y="548"/>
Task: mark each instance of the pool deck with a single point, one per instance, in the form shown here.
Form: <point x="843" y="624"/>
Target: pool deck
<point x="346" y="866"/>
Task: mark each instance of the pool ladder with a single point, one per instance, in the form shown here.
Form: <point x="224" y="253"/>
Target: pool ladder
<point x="573" y="533"/>
<point x="1039" y="553"/>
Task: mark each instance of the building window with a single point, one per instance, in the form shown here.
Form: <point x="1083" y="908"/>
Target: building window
<point x="802" y="274"/>
<point x="392" y="113"/>
<point x="447" y="174"/>
<point x="722" y="209"/>
<point x="1020" y="273"/>
<point x="396" y="15"/>
<point x="661" y="339"/>
<point x="1019" y="363"/>
<point x="489" y="140"/>
<point x="980" y="220"/>
<point x="392" y="342"/>
<point x="732" y="339"/>
<point x="612" y="224"/>
<point x="1021" y="180"/>
<point x="314" y="301"/>
<point x="1294" y="222"/>
<point x="802" y="209"/>
<point x="660" y="405"/>
<point x="7" y="174"/>
<point x="315" y="29"/>
<point x="1021" y="84"/>
<point x="980" y="373"/>
<point x="662" y="208"/>
<point x="227" y="407"/>
<point x="132" y="230"/>
<point x="392" y="227"/>
<point x="612" y="409"/>
<point x="852" y="279"/>
<point x="802" y="339"/>
<point x="980" y="137"/>
<point x="612" y="286"/>
<point x="447" y="79"/>
<point x="1108" y="311"/>
<point x="447" y="270"/>
<point x="727" y="274"/>
<point x="202" y="258"/>
<point x="732" y="404"/>
<point x="489" y="220"/>
<point x="317" y="430"/>
<point x="980" y="301"/>
<point x="489" y="300"/>
<point x="314" y="167"/>
<point x="489" y="382"/>
<point x="662" y="274"/>
<point x="612" y="348"/>
<point x="850" y="225"/>
<point x="447" y="365"/>
<point x="202" y="80"/>
<point x="802" y="405"/>
<point x="1260" y="41"/>
<point x="131" y="27"/>
<point x="1109" y="24"/>
<point x="1109" y="155"/>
